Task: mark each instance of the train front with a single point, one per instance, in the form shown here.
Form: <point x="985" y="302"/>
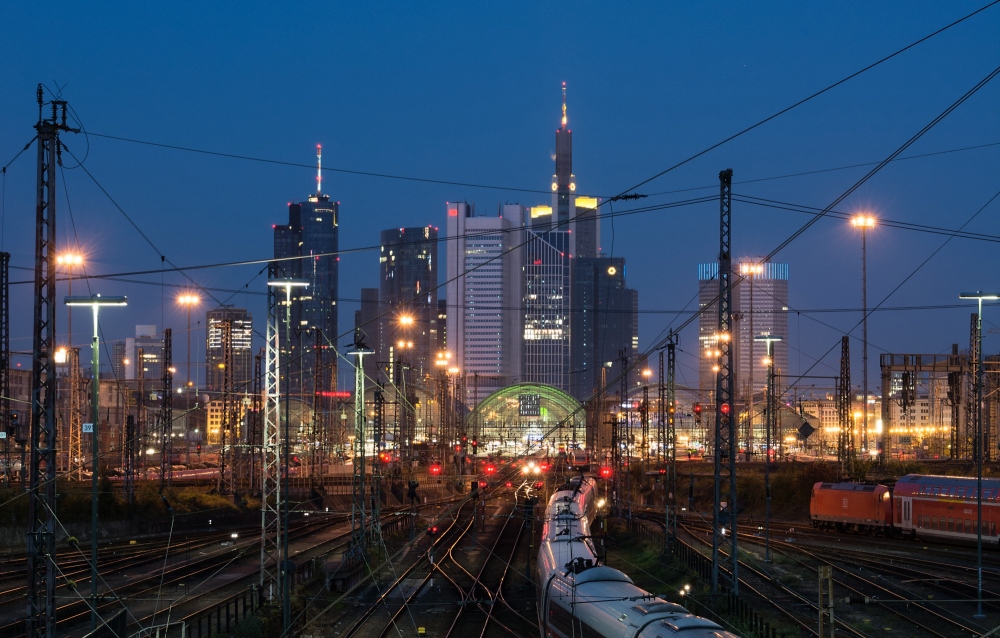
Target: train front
<point x="577" y="596"/>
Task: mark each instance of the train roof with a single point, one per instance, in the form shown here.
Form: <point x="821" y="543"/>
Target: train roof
<point x="850" y="487"/>
<point x="932" y="479"/>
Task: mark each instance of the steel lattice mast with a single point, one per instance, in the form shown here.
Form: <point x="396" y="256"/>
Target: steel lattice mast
<point x="671" y="436"/>
<point x="358" y="506"/>
<point x="724" y="510"/>
<point x="270" y="502"/>
<point x="5" y="415"/>
<point x="167" y="413"/>
<point x="227" y="428"/>
<point x="845" y="447"/>
<point x="41" y="611"/>
<point x="255" y="422"/>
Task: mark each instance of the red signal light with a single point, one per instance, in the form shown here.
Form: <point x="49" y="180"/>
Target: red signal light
<point x="724" y="408"/>
<point x="435" y="469"/>
<point x="697" y="408"/>
<point x="432" y="530"/>
<point x="663" y="470"/>
<point x="605" y="472"/>
<point x="458" y="448"/>
<point x="544" y="466"/>
<point x="490" y="469"/>
<point x="509" y="484"/>
<point x="482" y="484"/>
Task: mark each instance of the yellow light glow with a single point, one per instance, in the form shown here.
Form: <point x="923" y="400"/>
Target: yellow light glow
<point x="647" y="373"/>
<point x="612" y="271"/>
<point x="586" y="202"/>
<point x="751" y="269"/>
<point x="60" y="355"/>
<point x="188" y="299"/>
<point x="69" y="259"/>
<point x="541" y="211"/>
<point x="406" y="320"/>
<point x="863" y="221"/>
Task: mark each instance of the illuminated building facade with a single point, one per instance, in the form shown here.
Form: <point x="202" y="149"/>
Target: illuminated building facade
<point x="151" y="343"/>
<point x="242" y="337"/>
<point x="408" y="268"/>
<point x="484" y="293"/>
<point x="760" y="307"/>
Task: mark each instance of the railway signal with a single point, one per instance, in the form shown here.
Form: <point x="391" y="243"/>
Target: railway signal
<point x="605" y="472"/>
<point x="435" y="469"/>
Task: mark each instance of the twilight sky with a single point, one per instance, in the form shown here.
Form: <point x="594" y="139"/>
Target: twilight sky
<point x="469" y="92"/>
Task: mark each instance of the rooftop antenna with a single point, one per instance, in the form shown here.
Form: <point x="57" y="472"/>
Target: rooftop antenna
<point x="319" y="169"/>
<point x="564" y="106"/>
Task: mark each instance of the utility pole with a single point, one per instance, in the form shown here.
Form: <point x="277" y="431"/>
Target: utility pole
<point x="5" y="420"/>
<point x="40" y="619"/>
<point x="845" y="447"/>
<point x="724" y="507"/>
<point x="671" y="438"/>
<point x="227" y="425"/>
<point x="271" y="493"/>
<point x="166" y="414"/>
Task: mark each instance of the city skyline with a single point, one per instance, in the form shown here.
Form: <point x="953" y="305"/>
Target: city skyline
<point x="626" y="140"/>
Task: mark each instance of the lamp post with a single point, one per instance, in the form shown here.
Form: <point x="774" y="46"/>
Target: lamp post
<point x="287" y="284"/>
<point x="95" y="302"/>
<point x="188" y="300"/>
<point x="979" y="296"/>
<point x="769" y="340"/>
<point x="864" y="222"/>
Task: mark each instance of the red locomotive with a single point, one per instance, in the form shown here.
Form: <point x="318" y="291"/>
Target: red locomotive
<point x="851" y="507"/>
<point x="920" y="506"/>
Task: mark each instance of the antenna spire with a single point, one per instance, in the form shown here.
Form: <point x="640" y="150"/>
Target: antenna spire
<point x="564" y="105"/>
<point x="319" y="170"/>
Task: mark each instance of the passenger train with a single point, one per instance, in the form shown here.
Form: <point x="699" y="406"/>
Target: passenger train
<point x="919" y="506"/>
<point x="581" y="598"/>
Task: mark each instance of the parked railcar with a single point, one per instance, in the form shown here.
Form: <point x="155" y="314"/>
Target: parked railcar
<point x="580" y="597"/>
<point x="944" y="507"/>
<point x="851" y="507"/>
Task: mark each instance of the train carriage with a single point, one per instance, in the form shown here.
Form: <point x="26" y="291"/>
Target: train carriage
<point x="944" y="507"/>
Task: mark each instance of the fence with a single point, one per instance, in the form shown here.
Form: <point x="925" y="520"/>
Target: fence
<point x="729" y="603"/>
<point x="222" y="617"/>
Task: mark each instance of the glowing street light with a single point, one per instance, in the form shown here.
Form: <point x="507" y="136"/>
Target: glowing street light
<point x="864" y="222"/>
<point x="979" y="296"/>
<point x="95" y="302"/>
<point x="188" y="300"/>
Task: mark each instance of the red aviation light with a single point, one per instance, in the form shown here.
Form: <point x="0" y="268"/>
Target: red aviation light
<point x="724" y="408"/>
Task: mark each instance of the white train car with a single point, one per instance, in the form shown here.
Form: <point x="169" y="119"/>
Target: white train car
<point x="580" y="598"/>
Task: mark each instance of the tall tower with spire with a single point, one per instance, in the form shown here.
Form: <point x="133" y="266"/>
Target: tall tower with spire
<point x="312" y="236"/>
<point x="563" y="182"/>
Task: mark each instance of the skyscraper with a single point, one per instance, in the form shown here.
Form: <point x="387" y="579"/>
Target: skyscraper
<point x="408" y="271"/>
<point x="556" y="236"/>
<point x="242" y="337"/>
<point x="760" y="306"/>
<point x="306" y="248"/>
<point x="484" y="293"/>
<point x="604" y="324"/>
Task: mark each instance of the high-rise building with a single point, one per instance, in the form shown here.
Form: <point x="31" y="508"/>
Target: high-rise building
<point x="242" y="338"/>
<point x="484" y="293"/>
<point x="151" y="343"/>
<point x="306" y="249"/>
<point x="604" y="325"/>
<point x="760" y="307"/>
<point x="408" y="297"/>
<point x="556" y="236"/>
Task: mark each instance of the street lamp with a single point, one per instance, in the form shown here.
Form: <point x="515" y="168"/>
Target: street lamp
<point x="979" y="296"/>
<point x="95" y="302"/>
<point x="287" y="284"/>
<point x="769" y="340"/>
<point x="864" y="222"/>
<point x="189" y="300"/>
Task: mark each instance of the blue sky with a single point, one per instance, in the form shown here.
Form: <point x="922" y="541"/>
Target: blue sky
<point x="470" y="92"/>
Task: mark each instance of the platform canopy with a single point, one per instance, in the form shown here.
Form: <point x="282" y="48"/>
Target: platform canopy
<point x="526" y="417"/>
